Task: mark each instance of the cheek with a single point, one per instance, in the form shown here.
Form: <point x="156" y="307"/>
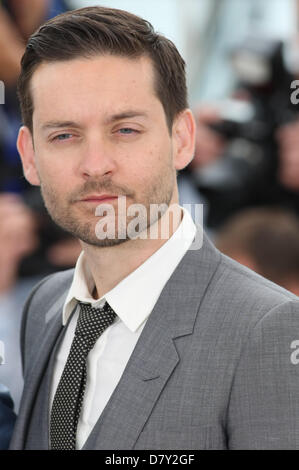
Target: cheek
<point x="55" y="181"/>
<point x="52" y="168"/>
<point x="52" y="176"/>
<point x="151" y="161"/>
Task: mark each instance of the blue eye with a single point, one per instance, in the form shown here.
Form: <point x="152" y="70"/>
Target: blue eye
<point x="126" y="130"/>
<point x="63" y="136"/>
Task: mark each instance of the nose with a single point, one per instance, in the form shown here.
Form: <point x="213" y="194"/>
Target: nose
<point x="97" y="159"/>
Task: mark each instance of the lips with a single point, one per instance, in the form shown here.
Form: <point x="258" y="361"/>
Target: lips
<point x="99" y="197"/>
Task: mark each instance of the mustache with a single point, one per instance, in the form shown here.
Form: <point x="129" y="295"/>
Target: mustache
<point x="99" y="187"/>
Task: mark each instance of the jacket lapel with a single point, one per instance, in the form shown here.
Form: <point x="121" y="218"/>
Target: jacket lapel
<point x="155" y="356"/>
<point x="39" y="360"/>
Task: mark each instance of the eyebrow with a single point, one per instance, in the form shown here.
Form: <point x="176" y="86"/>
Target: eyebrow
<point x="125" y="115"/>
<point x="58" y="125"/>
<point x="113" y="118"/>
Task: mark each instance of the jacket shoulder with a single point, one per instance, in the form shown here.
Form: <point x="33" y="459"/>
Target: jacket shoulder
<point x="47" y="293"/>
<point x="246" y="282"/>
<point x="241" y="297"/>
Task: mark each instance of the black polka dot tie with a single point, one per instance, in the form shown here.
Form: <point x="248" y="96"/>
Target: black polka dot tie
<point x="69" y="395"/>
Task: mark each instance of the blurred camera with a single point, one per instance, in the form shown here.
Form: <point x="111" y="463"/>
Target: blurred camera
<point x="246" y="174"/>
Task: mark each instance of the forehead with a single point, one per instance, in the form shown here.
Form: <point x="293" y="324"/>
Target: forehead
<point x="95" y="83"/>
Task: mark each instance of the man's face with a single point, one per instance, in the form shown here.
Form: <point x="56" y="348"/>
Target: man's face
<point x="98" y="128"/>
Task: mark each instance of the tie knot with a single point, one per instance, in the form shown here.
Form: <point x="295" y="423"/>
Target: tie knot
<point x="93" y="321"/>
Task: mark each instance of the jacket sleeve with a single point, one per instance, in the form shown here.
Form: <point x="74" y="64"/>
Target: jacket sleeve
<point x="263" y="411"/>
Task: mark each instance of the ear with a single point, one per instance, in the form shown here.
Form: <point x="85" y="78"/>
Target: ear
<point x="183" y="136"/>
<point x="27" y="154"/>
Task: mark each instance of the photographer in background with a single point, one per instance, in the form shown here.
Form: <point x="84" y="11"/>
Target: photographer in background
<point x="288" y="137"/>
<point x="247" y="147"/>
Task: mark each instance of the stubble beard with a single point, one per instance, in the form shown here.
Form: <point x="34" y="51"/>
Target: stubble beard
<point x="63" y="212"/>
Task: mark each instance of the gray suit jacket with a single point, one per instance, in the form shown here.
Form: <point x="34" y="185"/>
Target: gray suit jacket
<point x="213" y="368"/>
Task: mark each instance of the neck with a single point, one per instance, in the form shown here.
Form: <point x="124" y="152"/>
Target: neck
<point x="109" y="265"/>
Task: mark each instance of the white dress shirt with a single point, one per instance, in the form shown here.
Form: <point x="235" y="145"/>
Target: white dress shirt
<point x="132" y="299"/>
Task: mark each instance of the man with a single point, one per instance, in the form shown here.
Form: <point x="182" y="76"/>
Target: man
<point x="196" y="352"/>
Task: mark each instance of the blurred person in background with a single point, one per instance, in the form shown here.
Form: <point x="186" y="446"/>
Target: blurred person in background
<point x="18" y="238"/>
<point x="247" y="148"/>
<point x="265" y="240"/>
<point x="31" y="245"/>
<point x="288" y="141"/>
<point x="234" y="171"/>
<point x="7" y="417"/>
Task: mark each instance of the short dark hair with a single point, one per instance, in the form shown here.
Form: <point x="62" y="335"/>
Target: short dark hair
<point x="269" y="236"/>
<point x="89" y="31"/>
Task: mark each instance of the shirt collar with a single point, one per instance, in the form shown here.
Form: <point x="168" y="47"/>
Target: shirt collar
<point x="134" y="297"/>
